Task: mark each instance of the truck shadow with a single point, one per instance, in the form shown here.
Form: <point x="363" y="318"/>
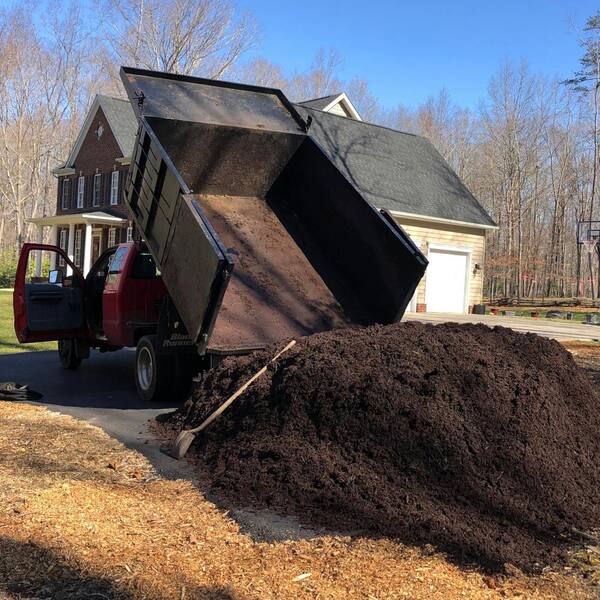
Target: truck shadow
<point x="103" y="381"/>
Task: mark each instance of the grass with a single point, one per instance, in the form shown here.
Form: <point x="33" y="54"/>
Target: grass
<point x="8" y="341"/>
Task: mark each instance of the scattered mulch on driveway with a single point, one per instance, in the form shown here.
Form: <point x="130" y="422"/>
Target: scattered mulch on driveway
<point x="483" y="442"/>
<point x="83" y="517"/>
<point x="586" y="355"/>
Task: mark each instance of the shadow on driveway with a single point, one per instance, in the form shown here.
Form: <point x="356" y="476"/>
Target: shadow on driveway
<point x="105" y="380"/>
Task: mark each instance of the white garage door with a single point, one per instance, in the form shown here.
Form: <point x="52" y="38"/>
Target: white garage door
<point x="446" y="281"/>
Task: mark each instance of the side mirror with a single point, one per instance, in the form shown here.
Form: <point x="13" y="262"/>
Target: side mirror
<point x="55" y="276"/>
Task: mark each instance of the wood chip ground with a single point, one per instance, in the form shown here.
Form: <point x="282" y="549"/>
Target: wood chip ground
<point x="83" y="517"/>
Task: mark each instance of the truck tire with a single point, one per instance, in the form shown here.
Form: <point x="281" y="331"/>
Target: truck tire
<point x="153" y="371"/>
<point x="67" y="354"/>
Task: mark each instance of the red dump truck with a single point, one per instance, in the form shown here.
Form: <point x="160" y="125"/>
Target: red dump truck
<point x="251" y="235"/>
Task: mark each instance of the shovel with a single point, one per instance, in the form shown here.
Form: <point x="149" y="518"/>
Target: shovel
<point x="186" y="437"/>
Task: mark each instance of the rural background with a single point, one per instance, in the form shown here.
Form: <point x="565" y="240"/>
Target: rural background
<point x="449" y="455"/>
<point x="522" y="136"/>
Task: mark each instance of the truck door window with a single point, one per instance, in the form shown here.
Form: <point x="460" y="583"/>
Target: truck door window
<point x="115" y="266"/>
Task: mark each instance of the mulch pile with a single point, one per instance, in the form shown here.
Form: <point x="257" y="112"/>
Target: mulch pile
<point x="483" y="442"/>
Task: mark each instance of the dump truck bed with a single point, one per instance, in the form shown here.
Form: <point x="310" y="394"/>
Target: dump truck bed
<point x="258" y="235"/>
<point x="274" y="292"/>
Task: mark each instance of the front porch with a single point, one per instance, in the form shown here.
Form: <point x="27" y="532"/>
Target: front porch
<point x="83" y="236"/>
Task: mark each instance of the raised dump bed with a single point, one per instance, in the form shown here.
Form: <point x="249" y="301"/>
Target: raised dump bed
<point x="257" y="234"/>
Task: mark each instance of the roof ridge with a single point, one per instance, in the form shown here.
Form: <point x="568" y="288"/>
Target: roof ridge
<point x="366" y="123"/>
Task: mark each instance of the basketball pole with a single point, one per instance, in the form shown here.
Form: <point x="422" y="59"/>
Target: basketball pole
<point x="598" y="274"/>
<point x="578" y="288"/>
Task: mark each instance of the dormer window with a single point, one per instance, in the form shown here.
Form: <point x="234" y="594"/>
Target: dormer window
<point x="114" y="188"/>
<point x="80" y="191"/>
<point x="97" y="186"/>
<point x="66" y="187"/>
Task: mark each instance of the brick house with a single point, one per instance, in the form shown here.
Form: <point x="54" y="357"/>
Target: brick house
<point x="400" y="172"/>
<point x="90" y="213"/>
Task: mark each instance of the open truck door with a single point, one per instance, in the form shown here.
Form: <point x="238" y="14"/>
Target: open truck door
<point x="49" y="295"/>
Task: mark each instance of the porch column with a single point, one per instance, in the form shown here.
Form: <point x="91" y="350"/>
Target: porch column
<point x="70" y="247"/>
<point x="38" y="253"/>
<point x="54" y="242"/>
<point x="87" y="249"/>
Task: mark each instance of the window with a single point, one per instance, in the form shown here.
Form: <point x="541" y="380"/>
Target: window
<point x="66" y="188"/>
<point x="80" y="189"/>
<point x="114" y="188"/>
<point x="77" y="252"/>
<point x="62" y="244"/>
<point x="96" y="194"/>
<point x="112" y="237"/>
<point x="129" y="235"/>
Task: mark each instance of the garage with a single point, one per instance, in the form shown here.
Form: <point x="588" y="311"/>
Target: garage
<point x="446" y="280"/>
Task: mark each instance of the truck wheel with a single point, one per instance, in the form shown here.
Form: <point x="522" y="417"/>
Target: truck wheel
<point x="153" y="371"/>
<point x="67" y="353"/>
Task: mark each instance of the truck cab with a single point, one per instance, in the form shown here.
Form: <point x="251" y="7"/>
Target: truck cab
<point x="118" y="304"/>
<point x="112" y="307"/>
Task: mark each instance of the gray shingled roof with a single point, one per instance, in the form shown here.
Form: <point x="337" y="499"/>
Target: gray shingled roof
<point x="394" y="170"/>
<point x="319" y="103"/>
<point x="122" y="120"/>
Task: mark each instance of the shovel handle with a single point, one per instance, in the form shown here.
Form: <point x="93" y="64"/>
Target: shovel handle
<point x="240" y="391"/>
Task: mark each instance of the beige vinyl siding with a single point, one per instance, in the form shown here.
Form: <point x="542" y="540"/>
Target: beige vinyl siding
<point x="461" y="237"/>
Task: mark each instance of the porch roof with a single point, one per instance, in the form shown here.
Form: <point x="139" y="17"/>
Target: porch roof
<point x="92" y="218"/>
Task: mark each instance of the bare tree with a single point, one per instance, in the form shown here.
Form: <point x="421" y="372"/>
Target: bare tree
<point x="261" y="72"/>
<point x="45" y="84"/>
<point x="320" y="80"/>
<point x="191" y="37"/>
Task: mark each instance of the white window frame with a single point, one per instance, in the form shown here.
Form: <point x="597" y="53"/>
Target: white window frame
<point x="412" y="305"/>
<point x="64" y="199"/>
<point x="80" y="191"/>
<point x="114" y="188"/>
<point x="129" y="234"/>
<point x="97" y="189"/>
<point x="112" y="237"/>
<point x="77" y="249"/>
<point x="62" y="244"/>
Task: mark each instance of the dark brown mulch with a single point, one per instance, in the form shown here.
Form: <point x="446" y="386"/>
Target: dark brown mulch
<point x="484" y="442"/>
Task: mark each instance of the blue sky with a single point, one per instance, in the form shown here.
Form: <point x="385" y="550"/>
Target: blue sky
<point x="408" y="51"/>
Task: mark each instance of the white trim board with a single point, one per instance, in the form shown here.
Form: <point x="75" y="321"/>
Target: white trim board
<point x="426" y="218"/>
<point x="449" y="248"/>
<point x="342" y="98"/>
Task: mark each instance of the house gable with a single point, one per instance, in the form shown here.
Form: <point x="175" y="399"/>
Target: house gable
<point x="94" y="158"/>
<point x="337" y="104"/>
<point x="117" y="116"/>
<point x="99" y="148"/>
